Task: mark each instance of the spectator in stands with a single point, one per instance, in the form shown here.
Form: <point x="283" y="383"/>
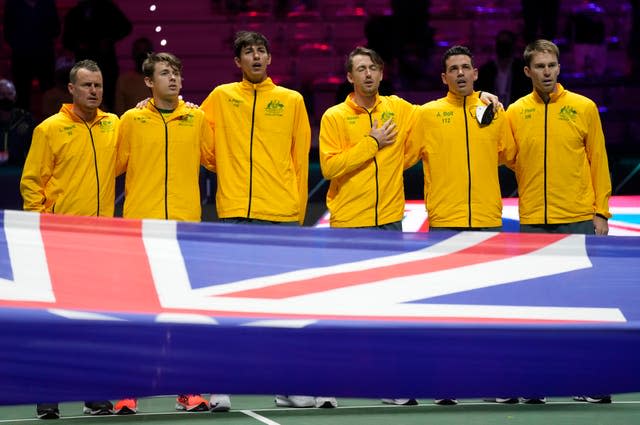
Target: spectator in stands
<point x="91" y="30"/>
<point x="503" y="74"/>
<point x="31" y="28"/>
<point x="130" y="87"/>
<point x="70" y="169"/>
<point x="56" y="96"/>
<point x="540" y="19"/>
<point x="587" y="34"/>
<point x="461" y="143"/>
<point x="634" y="40"/>
<point x="16" y="126"/>
<point x="563" y="174"/>
<point x="413" y="41"/>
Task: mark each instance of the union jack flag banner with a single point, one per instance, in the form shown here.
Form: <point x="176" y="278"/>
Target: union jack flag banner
<point x="95" y="308"/>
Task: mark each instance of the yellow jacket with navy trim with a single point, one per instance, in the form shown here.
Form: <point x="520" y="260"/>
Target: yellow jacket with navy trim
<point x="460" y="160"/>
<point x="70" y="168"/>
<point x="161" y="156"/>
<point x="561" y="166"/>
<point x="262" y="139"/>
<point x="366" y="186"/>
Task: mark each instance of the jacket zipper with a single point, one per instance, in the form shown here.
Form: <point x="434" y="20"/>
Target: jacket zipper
<point x="95" y="166"/>
<point x="166" y="164"/>
<point x="253" y="121"/>
<point x="375" y="163"/>
<point x="546" y="111"/>
<point x="466" y="131"/>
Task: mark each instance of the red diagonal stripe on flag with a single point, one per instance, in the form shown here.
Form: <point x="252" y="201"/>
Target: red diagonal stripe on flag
<point x="93" y="267"/>
<point x="501" y="246"/>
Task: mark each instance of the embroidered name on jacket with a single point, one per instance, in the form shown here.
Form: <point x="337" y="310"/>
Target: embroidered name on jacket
<point x="445" y="116"/>
<point x="274" y="108"/>
<point x="141" y="120"/>
<point x="68" y="129"/>
<point x="527" y="113"/>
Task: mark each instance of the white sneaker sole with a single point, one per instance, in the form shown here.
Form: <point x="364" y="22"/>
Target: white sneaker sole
<point x="298" y="401"/>
<point x="220" y="403"/>
<point x="326" y="402"/>
<point x="400" y="401"/>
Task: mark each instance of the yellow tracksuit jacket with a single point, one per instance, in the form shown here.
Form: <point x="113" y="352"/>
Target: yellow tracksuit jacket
<point x="262" y="139"/>
<point x="366" y="186"/>
<point x="460" y="161"/>
<point x="161" y="156"/>
<point x="561" y="166"/>
<point x="70" y="168"/>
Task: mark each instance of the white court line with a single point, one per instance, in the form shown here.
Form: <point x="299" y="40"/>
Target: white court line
<point x="259" y="417"/>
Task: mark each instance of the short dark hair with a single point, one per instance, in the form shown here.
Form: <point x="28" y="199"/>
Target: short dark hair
<point x="149" y="64"/>
<point x="454" y="51"/>
<point x="360" y="50"/>
<point x="87" y="64"/>
<point x="540" y="46"/>
<point x="249" y="38"/>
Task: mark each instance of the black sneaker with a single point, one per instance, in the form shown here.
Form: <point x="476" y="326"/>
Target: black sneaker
<point x="446" y="401"/>
<point x="98" y="408"/>
<point x="533" y="400"/>
<point x="47" y="411"/>
<point x="598" y="399"/>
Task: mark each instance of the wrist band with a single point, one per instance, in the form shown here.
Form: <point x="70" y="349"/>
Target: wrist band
<point x="377" y="142"/>
<point x="602" y="216"/>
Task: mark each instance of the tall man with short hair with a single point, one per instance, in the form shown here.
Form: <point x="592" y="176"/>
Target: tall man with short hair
<point x="562" y="168"/>
<point x="70" y="169"/>
<point x="160" y="148"/>
<point x="262" y="139"/>
<point x="362" y="147"/>
<point x="461" y="144"/>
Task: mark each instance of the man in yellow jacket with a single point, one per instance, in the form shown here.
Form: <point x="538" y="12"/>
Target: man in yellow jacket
<point x="262" y="138"/>
<point x="362" y="146"/>
<point x="161" y="147"/>
<point x="461" y="143"/>
<point x="561" y="167"/>
<point x="70" y="169"/>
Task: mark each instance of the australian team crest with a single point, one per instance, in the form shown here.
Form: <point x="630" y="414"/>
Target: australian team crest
<point x="568" y="113"/>
<point x="274" y="107"/>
